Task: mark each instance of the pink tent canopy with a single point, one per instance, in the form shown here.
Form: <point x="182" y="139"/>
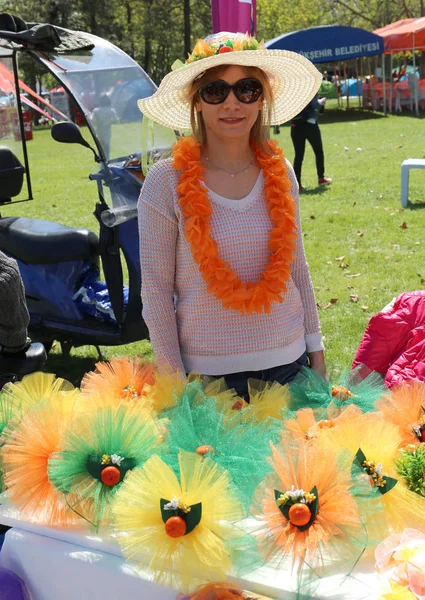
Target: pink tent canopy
<point x="403" y="35"/>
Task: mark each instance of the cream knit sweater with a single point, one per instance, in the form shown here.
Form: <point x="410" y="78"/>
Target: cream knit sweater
<point x="189" y="328"/>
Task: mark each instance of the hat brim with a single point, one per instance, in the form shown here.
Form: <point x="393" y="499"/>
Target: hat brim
<point x="294" y="81"/>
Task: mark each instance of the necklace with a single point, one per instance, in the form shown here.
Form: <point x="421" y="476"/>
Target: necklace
<point x="221" y="279"/>
<point x="232" y="174"/>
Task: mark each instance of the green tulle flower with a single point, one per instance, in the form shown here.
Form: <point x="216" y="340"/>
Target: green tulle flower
<point x="196" y="425"/>
<point x="310" y="390"/>
<point x="96" y="453"/>
<point x="410" y="466"/>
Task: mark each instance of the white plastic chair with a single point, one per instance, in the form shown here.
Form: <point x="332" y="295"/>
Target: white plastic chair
<point x="406" y="165"/>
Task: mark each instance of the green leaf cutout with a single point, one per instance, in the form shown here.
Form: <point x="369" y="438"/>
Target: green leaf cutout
<point x="94" y="466"/>
<point x="192" y="518"/>
<point x="313" y="506"/>
<point x="359" y="459"/>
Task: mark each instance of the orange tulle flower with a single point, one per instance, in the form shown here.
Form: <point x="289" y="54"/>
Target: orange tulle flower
<point x="28" y="444"/>
<point x="120" y="380"/>
<point x="323" y="482"/>
<point x="404" y="406"/>
<point x="221" y="591"/>
<point x="215" y="591"/>
<point x="308" y="423"/>
<point x="220" y="278"/>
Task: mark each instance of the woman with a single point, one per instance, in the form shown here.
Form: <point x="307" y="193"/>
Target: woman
<point x="304" y="127"/>
<point x="225" y="285"/>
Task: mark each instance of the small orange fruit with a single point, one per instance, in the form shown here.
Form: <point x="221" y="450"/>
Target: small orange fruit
<point x="326" y="424"/>
<point x="342" y="392"/>
<point x="299" y="514"/>
<point x="203" y="450"/>
<point x="110" y="476"/>
<point x="175" y="527"/>
<point x="238" y="405"/>
<point x="224" y="49"/>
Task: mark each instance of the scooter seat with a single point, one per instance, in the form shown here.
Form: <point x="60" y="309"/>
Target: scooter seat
<point x="25" y="362"/>
<point x="34" y="241"/>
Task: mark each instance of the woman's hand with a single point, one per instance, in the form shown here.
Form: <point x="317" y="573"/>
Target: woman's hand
<point x="317" y="362"/>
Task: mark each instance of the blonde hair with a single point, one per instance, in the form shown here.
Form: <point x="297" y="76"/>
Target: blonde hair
<point x="260" y="131"/>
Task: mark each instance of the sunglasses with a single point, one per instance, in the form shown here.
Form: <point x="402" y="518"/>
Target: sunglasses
<point x="247" y="91"/>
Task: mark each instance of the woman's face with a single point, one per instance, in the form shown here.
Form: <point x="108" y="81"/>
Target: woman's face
<point x="231" y="118"/>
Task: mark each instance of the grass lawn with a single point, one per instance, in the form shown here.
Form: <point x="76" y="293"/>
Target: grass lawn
<point x="363" y="248"/>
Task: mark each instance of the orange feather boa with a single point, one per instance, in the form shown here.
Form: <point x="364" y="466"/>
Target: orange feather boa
<point x="221" y="279"/>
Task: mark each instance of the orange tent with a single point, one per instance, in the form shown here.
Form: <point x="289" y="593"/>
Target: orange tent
<point x="404" y="35"/>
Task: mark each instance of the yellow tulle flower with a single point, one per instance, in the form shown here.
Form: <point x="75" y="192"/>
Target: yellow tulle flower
<point x="267" y="400"/>
<point x="379" y="441"/>
<point x="36" y="388"/>
<point x="165" y="390"/>
<point x="192" y="543"/>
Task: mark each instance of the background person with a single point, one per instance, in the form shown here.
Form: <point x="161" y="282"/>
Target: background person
<point x="304" y="127"/>
<point x="226" y="288"/>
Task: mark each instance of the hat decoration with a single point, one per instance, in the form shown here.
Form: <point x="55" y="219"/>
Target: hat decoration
<point x="213" y="45"/>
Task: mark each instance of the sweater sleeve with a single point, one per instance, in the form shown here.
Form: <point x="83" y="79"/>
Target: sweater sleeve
<point x="158" y="231"/>
<point x="14" y="317"/>
<point x="302" y="279"/>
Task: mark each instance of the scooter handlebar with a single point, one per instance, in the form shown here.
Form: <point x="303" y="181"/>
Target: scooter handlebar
<point x="115" y="216"/>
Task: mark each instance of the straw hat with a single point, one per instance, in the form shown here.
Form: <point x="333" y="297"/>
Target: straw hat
<point x="294" y="79"/>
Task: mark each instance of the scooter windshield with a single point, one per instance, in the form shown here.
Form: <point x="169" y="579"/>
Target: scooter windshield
<point x="105" y="83"/>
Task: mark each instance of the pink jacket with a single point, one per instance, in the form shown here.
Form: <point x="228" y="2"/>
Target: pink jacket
<point x="394" y="341"/>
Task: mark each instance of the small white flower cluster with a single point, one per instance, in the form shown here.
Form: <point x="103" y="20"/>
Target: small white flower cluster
<point x="116" y="459"/>
<point x="173" y="505"/>
<point x="378" y="469"/>
<point x="298" y="495"/>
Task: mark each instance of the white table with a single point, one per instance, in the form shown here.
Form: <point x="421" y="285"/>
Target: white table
<point x="78" y="565"/>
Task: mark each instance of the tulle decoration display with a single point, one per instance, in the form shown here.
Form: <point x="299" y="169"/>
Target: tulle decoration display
<point x="28" y="443"/>
<point x="35" y="388"/>
<point x="307" y="423"/>
<point x="400" y="559"/>
<point x="221" y="591"/>
<point x="378" y="442"/>
<point x="120" y="380"/>
<point x="310" y="390"/>
<point x="96" y="454"/>
<point x="195" y="425"/>
<point x="267" y="400"/>
<point x="405" y="407"/>
<point x="308" y="511"/>
<point x="166" y="390"/>
<point x="181" y="530"/>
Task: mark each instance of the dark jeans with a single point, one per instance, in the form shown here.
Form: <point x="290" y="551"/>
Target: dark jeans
<point x="282" y="374"/>
<point x="299" y="134"/>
